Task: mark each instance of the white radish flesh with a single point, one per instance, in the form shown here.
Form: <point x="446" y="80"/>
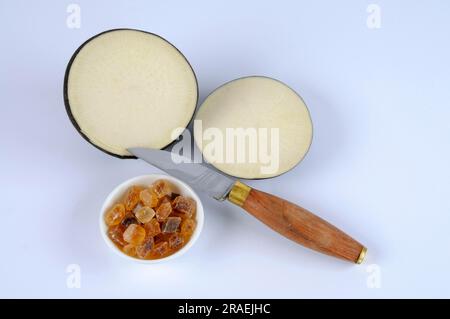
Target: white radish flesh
<point x="254" y="103"/>
<point x="128" y="88"/>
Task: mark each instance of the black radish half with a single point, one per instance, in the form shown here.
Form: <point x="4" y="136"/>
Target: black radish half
<point x="129" y="88"/>
<point x="253" y="127"/>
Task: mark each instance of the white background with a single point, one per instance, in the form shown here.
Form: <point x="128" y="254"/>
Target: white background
<point x="378" y="167"/>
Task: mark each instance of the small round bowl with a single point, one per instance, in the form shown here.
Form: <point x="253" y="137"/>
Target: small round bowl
<point x="179" y="187"/>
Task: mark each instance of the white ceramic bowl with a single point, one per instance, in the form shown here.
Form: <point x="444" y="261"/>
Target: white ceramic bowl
<point x="179" y="187"/>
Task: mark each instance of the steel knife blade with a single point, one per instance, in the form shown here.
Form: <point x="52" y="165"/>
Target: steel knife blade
<point x="197" y="175"/>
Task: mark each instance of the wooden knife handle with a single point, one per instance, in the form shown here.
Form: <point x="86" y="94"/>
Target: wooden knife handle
<point x="297" y="224"/>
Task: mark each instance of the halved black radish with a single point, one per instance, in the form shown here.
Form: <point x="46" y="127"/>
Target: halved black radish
<point x="253" y="104"/>
<point x="129" y="88"/>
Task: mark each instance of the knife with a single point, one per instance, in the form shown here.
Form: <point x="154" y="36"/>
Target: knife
<point x="288" y="219"/>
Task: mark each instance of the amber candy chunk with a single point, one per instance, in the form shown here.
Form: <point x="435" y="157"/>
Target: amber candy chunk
<point x="171" y="225"/>
<point x="145" y="214"/>
<point x="165" y="199"/>
<point x="176" y="213"/>
<point x="115" y="233"/>
<point x="187" y="227"/>
<point x="137" y="208"/>
<point x="152" y="228"/>
<point x="148" y="198"/>
<point x="161" y="249"/>
<point x="128" y="220"/>
<point x="161" y="237"/>
<point x="176" y="241"/>
<point x="163" y="211"/>
<point x="115" y="215"/>
<point x="145" y="248"/>
<point x="132" y="198"/>
<point x="161" y="188"/>
<point x="134" y="234"/>
<point x="173" y="196"/>
<point x="185" y="205"/>
<point x="130" y="250"/>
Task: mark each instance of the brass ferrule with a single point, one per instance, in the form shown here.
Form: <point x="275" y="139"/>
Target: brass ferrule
<point x="239" y="193"/>
<point x="362" y="255"/>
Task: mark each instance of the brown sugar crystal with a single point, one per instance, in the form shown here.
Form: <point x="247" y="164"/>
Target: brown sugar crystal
<point x="115" y="215"/>
<point x="134" y="234"/>
<point x="162" y="188"/>
<point x="163" y="211"/>
<point x="171" y="225"/>
<point x="132" y="197"/>
<point x="148" y="198"/>
<point x="185" y="205"/>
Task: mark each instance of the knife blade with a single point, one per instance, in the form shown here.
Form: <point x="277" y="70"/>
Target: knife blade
<point x="288" y="219"/>
<point x="198" y="176"/>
